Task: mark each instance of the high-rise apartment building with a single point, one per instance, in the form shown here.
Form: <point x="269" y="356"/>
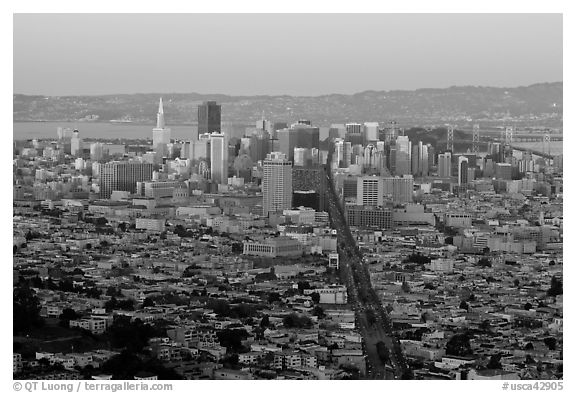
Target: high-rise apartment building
<point x="219" y="158"/>
<point x="209" y="117"/>
<point x="276" y="183"/>
<point x="123" y="176"/>
<point x="399" y="189"/>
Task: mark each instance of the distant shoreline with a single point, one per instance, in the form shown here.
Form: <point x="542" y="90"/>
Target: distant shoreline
<point x="133" y="123"/>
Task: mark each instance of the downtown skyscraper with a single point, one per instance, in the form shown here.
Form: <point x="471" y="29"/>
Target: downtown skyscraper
<point x="276" y="183"/>
<point x="209" y="117"/>
<point x="160" y="134"/>
<point x="219" y="158"/>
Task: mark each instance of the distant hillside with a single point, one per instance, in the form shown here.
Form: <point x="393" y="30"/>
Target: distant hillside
<point x="539" y="104"/>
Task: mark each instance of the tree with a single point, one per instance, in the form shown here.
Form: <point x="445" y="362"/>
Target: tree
<point x="148" y="302"/>
<point x="265" y="321"/>
<point x="494" y="363"/>
<point x="555" y="287"/>
<point x="318" y="312"/>
<point x="516" y="282"/>
<point x="294" y="320"/>
<point x="529" y="347"/>
<point x="464" y="305"/>
<point x="232" y="338"/>
<point x="459" y="345"/>
<point x="485" y="325"/>
<point x="405" y="287"/>
<point x="528" y="306"/>
<point x="302" y="285"/>
<point x="26" y="310"/>
<point x="273" y="297"/>
<point x="67" y="315"/>
<point x="484" y="262"/>
<point x="550" y="343"/>
<point x="315" y="296"/>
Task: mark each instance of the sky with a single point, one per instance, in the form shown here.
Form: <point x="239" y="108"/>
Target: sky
<point x="275" y="54"/>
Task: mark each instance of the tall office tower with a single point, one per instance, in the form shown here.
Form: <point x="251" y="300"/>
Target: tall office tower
<point x="354" y="133"/>
<point x="219" y="158"/>
<point x="422" y="159"/>
<point x="445" y="164"/>
<point x="96" y="151"/>
<point x="390" y="132"/>
<point x="197" y="149"/>
<point x="64" y="133"/>
<point x="338" y="131"/>
<point x="160" y="134"/>
<point x="287" y="141"/>
<point x="504" y="171"/>
<point x="123" y="176"/>
<point x="277" y="126"/>
<point x="415" y="160"/>
<point x="369" y="158"/>
<point x="311" y="179"/>
<point x="357" y="152"/>
<point x="462" y="170"/>
<point x="209" y="117"/>
<point x="370" y="191"/>
<point x="307" y="136"/>
<point x="302" y="156"/>
<point x="263" y="124"/>
<point x="371" y="131"/>
<point x="276" y="183"/>
<point x="75" y="144"/>
<point x="431" y="156"/>
<point x="391" y="158"/>
<point x="259" y="145"/>
<point x="403" y="155"/>
<point x="338" y="157"/>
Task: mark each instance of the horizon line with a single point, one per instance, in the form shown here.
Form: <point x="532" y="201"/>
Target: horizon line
<point x="289" y="95"/>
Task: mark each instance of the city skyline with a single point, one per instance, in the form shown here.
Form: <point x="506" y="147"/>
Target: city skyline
<point x="397" y="234"/>
<point x="387" y="53"/>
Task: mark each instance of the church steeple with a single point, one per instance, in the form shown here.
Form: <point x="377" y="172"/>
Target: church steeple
<point x="160" y="115"/>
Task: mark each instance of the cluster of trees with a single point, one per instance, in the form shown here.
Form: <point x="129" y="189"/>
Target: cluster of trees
<point x="65" y="285"/>
<point x="224" y="309"/>
<point x="127" y="364"/>
<point x="26" y="310"/>
<point x="459" y="345"/>
<point x="555" y="287"/>
<point x="418" y="259"/>
<point x="115" y="304"/>
<point x="232" y="338"/>
<point x="295" y="320"/>
<point x="484" y="262"/>
<point x="132" y="335"/>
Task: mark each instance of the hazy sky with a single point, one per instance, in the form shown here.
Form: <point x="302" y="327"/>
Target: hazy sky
<point x="296" y="54"/>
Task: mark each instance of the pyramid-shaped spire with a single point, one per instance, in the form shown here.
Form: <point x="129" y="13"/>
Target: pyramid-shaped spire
<point x="160" y="116"/>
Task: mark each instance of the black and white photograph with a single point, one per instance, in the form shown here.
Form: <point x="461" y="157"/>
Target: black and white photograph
<point x="287" y="196"/>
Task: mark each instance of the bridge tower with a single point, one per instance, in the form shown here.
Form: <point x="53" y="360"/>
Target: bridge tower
<point x="476" y="138"/>
<point x="450" y="138"/>
<point x="546" y="143"/>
